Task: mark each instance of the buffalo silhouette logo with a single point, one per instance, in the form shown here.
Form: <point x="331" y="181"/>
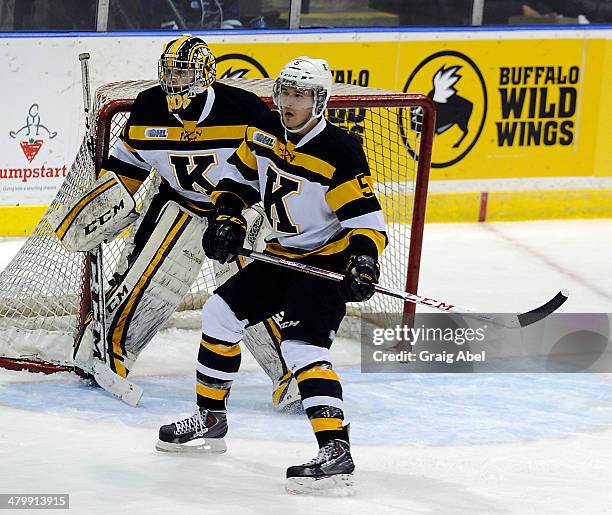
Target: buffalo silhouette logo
<point x="456" y="86"/>
<point x="451" y="108"/>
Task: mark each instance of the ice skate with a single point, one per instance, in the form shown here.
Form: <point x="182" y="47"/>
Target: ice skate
<point x="203" y="432"/>
<point x="330" y="473"/>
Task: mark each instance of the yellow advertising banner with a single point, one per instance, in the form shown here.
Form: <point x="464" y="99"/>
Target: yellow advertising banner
<point x="512" y="106"/>
<point x="507" y="107"/>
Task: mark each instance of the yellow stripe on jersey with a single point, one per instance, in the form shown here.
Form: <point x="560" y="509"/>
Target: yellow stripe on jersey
<point x="236" y="132"/>
<point x="288" y="154"/>
<point x="74" y="212"/>
<point x="318" y="373"/>
<point x="334" y="247"/>
<point x="310" y="163"/>
<point x="130" y="184"/>
<point x="326" y="424"/>
<point x="132" y="150"/>
<point x="246" y="156"/>
<point x="349" y="191"/>
<point x="211" y="393"/>
<point x="222" y="350"/>
<point x="379" y="239"/>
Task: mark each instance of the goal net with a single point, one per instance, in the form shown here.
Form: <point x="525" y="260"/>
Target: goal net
<point x="44" y="291"/>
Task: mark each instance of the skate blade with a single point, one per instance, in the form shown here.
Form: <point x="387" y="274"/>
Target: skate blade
<point x="338" y="485"/>
<point x="199" y="446"/>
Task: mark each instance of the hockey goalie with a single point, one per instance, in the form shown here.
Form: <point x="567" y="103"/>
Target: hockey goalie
<point x="185" y="129"/>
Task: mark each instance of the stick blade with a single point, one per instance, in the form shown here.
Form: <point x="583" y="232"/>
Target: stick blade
<point x="537" y="314"/>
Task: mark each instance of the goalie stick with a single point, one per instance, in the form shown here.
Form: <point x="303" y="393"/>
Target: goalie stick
<point x="512" y="321"/>
<point x="125" y="390"/>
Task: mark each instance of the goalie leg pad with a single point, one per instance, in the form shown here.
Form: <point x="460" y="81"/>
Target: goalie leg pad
<point x="101" y="213"/>
<point x="155" y="283"/>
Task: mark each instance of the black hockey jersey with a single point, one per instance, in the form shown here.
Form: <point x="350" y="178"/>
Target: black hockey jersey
<point x="189" y="148"/>
<point x="318" y="193"/>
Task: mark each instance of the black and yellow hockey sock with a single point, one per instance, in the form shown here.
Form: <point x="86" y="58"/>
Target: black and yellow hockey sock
<point x="321" y="393"/>
<point x="218" y="364"/>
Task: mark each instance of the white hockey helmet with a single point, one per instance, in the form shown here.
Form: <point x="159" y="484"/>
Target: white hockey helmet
<point x="308" y="74"/>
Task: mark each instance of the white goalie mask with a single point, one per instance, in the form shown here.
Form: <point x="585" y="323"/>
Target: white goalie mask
<point x="308" y="75"/>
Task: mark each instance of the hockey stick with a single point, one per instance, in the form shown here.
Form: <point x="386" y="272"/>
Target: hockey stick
<point x="520" y="320"/>
<point x="98" y="364"/>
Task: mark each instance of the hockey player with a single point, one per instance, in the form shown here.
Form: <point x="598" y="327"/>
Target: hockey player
<point x="318" y="196"/>
<point x="186" y="127"/>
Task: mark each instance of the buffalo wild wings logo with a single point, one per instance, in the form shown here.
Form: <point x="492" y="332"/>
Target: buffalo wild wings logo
<point x="32" y="133"/>
<point x="456" y="86"/>
<point x="237" y="66"/>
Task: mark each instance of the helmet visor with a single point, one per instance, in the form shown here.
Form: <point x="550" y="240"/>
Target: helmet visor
<point x="293" y="97"/>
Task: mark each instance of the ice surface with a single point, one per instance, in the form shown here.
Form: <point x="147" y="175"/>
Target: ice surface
<point x="439" y="443"/>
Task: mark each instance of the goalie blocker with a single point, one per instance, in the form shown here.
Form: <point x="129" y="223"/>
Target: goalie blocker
<point x="101" y="213"/>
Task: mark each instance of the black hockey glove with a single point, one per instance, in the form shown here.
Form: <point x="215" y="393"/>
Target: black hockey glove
<point x="362" y="273"/>
<point x="226" y="231"/>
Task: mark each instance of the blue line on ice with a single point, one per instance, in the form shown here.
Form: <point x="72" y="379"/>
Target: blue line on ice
<point x="421" y="409"/>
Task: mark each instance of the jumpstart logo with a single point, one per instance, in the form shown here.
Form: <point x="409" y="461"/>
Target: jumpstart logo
<point x="455" y="84"/>
<point x="538" y="105"/>
<point x="31" y="136"/>
<point x="32" y="133"/>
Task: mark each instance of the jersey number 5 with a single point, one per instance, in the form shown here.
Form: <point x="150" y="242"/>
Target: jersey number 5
<point x="190" y="171"/>
<point x="278" y="188"/>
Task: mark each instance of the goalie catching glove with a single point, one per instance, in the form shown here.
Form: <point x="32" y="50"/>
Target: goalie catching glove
<point x="226" y="229"/>
<point x="362" y="273"/>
